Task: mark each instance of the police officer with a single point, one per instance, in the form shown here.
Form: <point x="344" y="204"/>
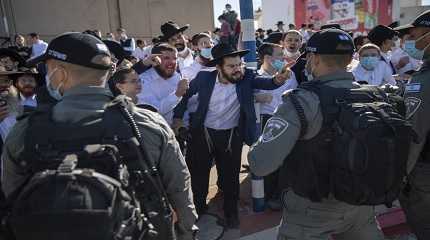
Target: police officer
<point x="328" y="54"/>
<point x="78" y="66"/>
<point x="415" y="199"/>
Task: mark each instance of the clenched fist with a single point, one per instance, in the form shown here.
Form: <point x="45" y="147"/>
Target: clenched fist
<point x="182" y="88"/>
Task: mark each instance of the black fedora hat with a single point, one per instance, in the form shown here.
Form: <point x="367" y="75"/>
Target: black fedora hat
<point x="14" y="55"/>
<point x="169" y="29"/>
<point x="280" y="23"/>
<point x="222" y="50"/>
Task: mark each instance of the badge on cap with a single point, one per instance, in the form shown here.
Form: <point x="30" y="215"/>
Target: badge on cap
<point x="274" y="128"/>
<point x="343" y="37"/>
<point x="102" y="47"/>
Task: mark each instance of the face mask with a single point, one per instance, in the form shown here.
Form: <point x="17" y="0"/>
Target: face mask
<point x="411" y="49"/>
<point x="206" y="53"/>
<point x="278" y="65"/>
<point x="369" y="63"/>
<point x="55" y="93"/>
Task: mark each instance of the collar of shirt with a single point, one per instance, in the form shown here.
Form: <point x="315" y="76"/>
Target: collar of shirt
<point x="31" y="98"/>
<point x="336" y="76"/>
<point x="263" y="73"/>
<point x="80" y="102"/>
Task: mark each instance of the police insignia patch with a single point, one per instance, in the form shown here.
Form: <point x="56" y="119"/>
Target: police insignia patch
<point x="274" y="128"/>
<point x="413" y="88"/>
<point x="412" y="105"/>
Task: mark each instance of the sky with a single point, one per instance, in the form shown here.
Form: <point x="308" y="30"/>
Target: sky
<point x="219" y="6"/>
<point x="426" y="2"/>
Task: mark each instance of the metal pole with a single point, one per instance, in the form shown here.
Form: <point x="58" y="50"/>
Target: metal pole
<point x="248" y="32"/>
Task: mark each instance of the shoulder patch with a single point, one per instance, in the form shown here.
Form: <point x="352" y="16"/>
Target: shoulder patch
<point x="412" y="105"/>
<point x="413" y="88"/>
<point x="274" y="128"/>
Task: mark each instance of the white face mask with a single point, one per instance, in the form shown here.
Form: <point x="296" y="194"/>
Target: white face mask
<point x="54" y="92"/>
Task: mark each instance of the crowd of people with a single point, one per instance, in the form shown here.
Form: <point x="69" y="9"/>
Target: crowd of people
<point x="195" y="105"/>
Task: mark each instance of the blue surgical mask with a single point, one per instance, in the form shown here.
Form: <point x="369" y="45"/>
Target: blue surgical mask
<point x="278" y="65"/>
<point x="369" y="63"/>
<point x="411" y="49"/>
<point x="206" y="53"/>
<point x="54" y="92"/>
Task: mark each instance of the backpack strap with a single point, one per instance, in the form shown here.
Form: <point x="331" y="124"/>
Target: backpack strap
<point x="300" y="112"/>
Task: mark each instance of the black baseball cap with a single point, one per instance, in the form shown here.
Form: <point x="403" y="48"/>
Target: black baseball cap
<point x="423" y="20"/>
<point x="76" y="48"/>
<point x="329" y="42"/>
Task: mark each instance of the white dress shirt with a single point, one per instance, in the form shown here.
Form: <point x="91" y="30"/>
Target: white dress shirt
<point x="413" y="64"/>
<point x="224" y="108"/>
<point x="140" y="53"/>
<point x="379" y="76"/>
<point x="159" y="92"/>
<point x="270" y="108"/>
<point x="38" y="48"/>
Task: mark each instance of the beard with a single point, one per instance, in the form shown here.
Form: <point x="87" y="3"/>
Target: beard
<point x="163" y="72"/>
<point x="27" y="91"/>
<point x="180" y="47"/>
<point x="234" y="77"/>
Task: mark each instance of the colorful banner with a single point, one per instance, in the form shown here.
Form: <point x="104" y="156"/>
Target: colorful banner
<point x="317" y="11"/>
<point x="352" y="15"/>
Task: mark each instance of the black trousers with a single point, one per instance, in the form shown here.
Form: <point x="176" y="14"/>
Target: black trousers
<point x="271" y="181"/>
<point x="228" y="164"/>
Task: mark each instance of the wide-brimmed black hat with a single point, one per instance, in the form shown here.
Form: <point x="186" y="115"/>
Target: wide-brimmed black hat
<point x="280" y="23"/>
<point x="170" y="29"/>
<point x="14" y="55"/>
<point x="222" y="50"/>
<point x="116" y="49"/>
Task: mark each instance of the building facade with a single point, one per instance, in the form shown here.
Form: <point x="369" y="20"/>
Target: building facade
<point x="141" y="18"/>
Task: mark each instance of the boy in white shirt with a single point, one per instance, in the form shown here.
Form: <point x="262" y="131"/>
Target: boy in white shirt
<point x="372" y="69"/>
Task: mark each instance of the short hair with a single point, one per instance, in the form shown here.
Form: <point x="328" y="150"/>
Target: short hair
<point x="34" y="35"/>
<point x="291" y="31"/>
<point x="359" y="40"/>
<point x="139" y="41"/>
<point x="291" y="25"/>
<point x="337" y="60"/>
<point x="120" y="30"/>
<point x="266" y="49"/>
<point x="228" y="5"/>
<point x="118" y="77"/>
<point x="158" y="49"/>
<point x="369" y="46"/>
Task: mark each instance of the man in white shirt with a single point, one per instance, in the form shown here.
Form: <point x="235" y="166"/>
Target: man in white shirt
<point x="404" y="63"/>
<point x="371" y="69"/>
<point x="38" y="46"/>
<point x="139" y="52"/>
<point x="174" y="35"/>
<point x="128" y="44"/>
<point x="272" y="58"/>
<point x="383" y="37"/>
<point x="163" y="86"/>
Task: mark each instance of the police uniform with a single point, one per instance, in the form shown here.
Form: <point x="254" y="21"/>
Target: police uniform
<point x="415" y="199"/>
<point x="81" y="102"/>
<point x="302" y="218"/>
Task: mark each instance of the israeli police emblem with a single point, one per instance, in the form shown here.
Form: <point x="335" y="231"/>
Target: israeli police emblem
<point x="274" y="128"/>
<point x="412" y="105"/>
